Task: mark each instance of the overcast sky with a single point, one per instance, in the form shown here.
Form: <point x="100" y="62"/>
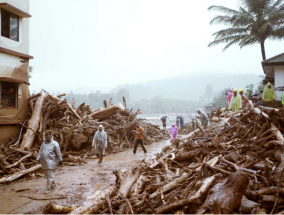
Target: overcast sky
<point x="84" y="45"/>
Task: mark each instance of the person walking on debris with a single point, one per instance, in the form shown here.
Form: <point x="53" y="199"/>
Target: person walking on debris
<point x="229" y="96"/>
<point x="139" y="139"/>
<point x="248" y="94"/>
<point x="236" y="102"/>
<point x="164" y="121"/>
<point x="100" y="143"/>
<point x="180" y="122"/>
<point x="193" y="124"/>
<point x="173" y="131"/>
<point x="48" y="156"/>
<point x="268" y="93"/>
<point x="203" y="118"/>
<point x="244" y="98"/>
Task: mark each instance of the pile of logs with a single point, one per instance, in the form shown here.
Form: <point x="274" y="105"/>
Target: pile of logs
<point x="73" y="128"/>
<point x="235" y="166"/>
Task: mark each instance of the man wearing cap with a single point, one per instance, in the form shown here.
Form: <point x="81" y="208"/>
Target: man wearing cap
<point x="244" y="98"/>
<point x="139" y="139"/>
<point x="236" y="101"/>
<point x="100" y="143"/>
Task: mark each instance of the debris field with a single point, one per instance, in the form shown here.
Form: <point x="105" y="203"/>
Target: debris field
<point x="73" y="128"/>
<point x="234" y="166"/>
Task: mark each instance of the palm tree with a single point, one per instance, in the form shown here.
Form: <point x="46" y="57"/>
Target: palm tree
<point x="254" y="22"/>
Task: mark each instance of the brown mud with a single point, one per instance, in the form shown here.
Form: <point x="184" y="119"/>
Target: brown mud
<point x="74" y="183"/>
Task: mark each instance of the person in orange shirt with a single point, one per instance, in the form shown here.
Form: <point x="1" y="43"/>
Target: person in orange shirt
<point x="139" y="139"/>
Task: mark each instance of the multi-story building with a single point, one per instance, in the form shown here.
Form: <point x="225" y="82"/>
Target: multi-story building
<point x="14" y="66"/>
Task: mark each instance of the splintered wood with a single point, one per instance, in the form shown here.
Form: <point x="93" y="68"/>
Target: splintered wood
<point x="233" y="166"/>
<point x="73" y="128"/>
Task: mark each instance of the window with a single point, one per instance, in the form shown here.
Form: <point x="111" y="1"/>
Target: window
<point x="8" y="95"/>
<point x="9" y="25"/>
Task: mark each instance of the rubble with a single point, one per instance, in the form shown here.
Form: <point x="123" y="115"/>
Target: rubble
<point x="73" y="129"/>
<point x="234" y="166"/>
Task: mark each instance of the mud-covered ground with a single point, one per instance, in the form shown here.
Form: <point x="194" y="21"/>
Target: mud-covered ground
<point x="74" y="183"/>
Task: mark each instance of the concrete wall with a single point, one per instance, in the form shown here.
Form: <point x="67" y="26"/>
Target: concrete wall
<point x="12" y="67"/>
<point x="23" y="45"/>
<point x="279" y="80"/>
<point x="15" y="67"/>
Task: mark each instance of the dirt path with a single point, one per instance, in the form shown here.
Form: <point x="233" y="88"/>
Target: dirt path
<point x="74" y="183"/>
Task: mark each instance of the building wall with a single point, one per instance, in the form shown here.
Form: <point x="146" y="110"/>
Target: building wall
<point x="12" y="67"/>
<point x="279" y="80"/>
<point x="22" y="45"/>
<point x="15" y="67"/>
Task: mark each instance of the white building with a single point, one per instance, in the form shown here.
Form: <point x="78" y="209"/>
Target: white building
<point x="274" y="73"/>
<point x="14" y="66"/>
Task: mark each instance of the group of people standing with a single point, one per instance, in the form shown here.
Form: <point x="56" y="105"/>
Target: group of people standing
<point x="237" y="99"/>
<point x="201" y="118"/>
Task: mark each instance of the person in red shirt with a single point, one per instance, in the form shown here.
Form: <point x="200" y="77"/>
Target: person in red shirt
<point x="139" y="139"/>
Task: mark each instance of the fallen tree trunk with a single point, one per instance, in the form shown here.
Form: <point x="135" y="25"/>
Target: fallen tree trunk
<point x="59" y="101"/>
<point x="19" y="174"/>
<point x="268" y="110"/>
<point x="234" y="113"/>
<point x="278" y="135"/>
<point x="93" y="205"/>
<point x="257" y="111"/>
<point x="137" y="188"/>
<point x="34" y="96"/>
<point x="58" y="209"/>
<point x="247" y="206"/>
<point x="127" y="179"/>
<point x="228" y="194"/>
<point x="195" y="133"/>
<point x="73" y="111"/>
<point x="109" y="111"/>
<point x="61" y="95"/>
<point x="279" y="156"/>
<point x="202" y="190"/>
<point x="186" y="155"/>
<point x="268" y="191"/>
<point x="33" y="123"/>
<point x="19" y="161"/>
<point x="173" y="184"/>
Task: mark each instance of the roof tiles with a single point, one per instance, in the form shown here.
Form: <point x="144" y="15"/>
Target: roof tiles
<point x="276" y="59"/>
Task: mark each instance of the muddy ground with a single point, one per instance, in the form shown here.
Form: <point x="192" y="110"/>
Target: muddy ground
<point x="74" y="183"/>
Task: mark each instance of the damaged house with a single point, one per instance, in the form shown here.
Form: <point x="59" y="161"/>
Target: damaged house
<point x="14" y="66"/>
<point x="274" y="73"/>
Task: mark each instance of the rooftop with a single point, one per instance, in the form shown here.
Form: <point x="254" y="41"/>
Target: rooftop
<point x="268" y="65"/>
<point x="276" y="59"/>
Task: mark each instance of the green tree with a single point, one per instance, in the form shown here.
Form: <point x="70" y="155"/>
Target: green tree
<point x="221" y="99"/>
<point x="208" y="94"/>
<point x="261" y="86"/>
<point x="254" y="22"/>
<point x="250" y="87"/>
<point x="123" y="92"/>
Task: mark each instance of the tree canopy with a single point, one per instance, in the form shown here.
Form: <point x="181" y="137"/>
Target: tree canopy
<point x="254" y="22"/>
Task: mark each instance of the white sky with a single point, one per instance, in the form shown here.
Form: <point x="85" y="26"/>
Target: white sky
<point x="84" y="45"/>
